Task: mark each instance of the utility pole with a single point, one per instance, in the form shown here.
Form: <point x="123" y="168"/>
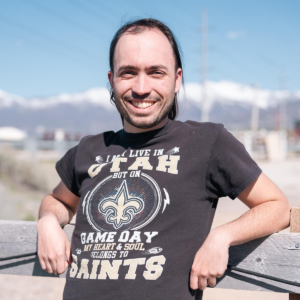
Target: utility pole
<point x="255" y="111"/>
<point x="282" y="109"/>
<point x="204" y="102"/>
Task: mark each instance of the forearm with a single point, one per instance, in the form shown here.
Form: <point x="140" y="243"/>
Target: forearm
<point x="53" y="208"/>
<point x="259" y="221"/>
<point x="269" y="213"/>
<point x="53" y="244"/>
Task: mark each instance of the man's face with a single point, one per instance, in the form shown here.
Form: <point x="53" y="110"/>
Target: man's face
<point x="144" y="80"/>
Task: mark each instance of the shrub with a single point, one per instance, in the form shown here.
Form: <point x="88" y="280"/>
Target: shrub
<point x="19" y="173"/>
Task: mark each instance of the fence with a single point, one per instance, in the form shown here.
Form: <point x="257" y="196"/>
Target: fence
<point x="271" y="263"/>
<point x="272" y="145"/>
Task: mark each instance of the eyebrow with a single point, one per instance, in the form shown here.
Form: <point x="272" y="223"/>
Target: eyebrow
<point x="155" y="67"/>
<point x="130" y="67"/>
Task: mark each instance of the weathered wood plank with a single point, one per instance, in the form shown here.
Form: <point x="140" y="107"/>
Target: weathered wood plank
<point x="295" y="227"/>
<point x="19" y="238"/>
<point x="276" y="255"/>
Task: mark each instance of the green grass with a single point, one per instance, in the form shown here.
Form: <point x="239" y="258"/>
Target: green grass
<point x="30" y="217"/>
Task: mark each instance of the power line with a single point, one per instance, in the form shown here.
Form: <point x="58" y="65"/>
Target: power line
<point x="268" y="61"/>
<point x="42" y="35"/>
<point x="40" y="48"/>
<point x="233" y="61"/>
<point x="258" y="56"/>
<point x="62" y="18"/>
<point x="88" y="10"/>
<point x="218" y="50"/>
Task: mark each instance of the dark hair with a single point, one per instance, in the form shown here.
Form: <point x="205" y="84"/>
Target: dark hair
<point x="139" y="26"/>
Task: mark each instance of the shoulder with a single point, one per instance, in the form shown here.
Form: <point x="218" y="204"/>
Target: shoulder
<point x="98" y="139"/>
<point x="203" y="128"/>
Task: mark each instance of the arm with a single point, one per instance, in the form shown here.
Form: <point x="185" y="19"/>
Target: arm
<point x="269" y="212"/>
<point x="57" y="209"/>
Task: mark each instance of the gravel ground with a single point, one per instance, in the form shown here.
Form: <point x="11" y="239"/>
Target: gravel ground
<point x="21" y="205"/>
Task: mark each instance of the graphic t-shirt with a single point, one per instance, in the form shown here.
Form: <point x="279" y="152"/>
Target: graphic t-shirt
<point x="147" y="202"/>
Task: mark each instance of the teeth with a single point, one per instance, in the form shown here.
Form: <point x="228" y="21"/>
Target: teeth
<point x="142" y="104"/>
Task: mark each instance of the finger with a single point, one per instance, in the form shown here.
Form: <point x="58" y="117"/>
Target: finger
<point x="52" y="263"/>
<point x="66" y="264"/>
<point x="41" y="260"/>
<point x="60" y="264"/>
<point x="202" y="283"/>
<point x="48" y="267"/>
<point x="212" y="281"/>
<point x="42" y="263"/>
<point x="193" y="281"/>
<point x="68" y="253"/>
<point x="66" y="260"/>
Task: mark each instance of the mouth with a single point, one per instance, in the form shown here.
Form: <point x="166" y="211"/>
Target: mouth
<point x="142" y="104"/>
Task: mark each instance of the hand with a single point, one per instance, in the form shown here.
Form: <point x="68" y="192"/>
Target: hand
<point x="53" y="246"/>
<point x="210" y="261"/>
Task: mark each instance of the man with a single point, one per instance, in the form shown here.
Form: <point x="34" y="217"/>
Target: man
<point x="146" y="195"/>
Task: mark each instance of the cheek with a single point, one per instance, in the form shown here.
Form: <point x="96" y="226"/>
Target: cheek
<point x="122" y="87"/>
<point x="164" y="88"/>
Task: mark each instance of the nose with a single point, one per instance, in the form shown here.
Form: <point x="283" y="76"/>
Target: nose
<point x="141" y="85"/>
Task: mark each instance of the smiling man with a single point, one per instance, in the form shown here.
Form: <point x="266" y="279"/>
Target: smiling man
<point x="145" y="196"/>
<point x="144" y="78"/>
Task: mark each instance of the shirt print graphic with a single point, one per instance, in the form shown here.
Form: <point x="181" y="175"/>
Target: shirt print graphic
<point x="117" y="209"/>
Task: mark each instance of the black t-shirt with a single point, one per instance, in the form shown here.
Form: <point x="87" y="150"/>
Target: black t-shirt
<point x="147" y="202"/>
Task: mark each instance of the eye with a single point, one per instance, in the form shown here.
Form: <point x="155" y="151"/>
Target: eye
<point x="157" y="73"/>
<point x="127" y="73"/>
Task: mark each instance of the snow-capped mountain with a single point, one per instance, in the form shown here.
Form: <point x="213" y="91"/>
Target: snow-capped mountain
<point x="91" y="111"/>
<point x="93" y="97"/>
<point x="235" y="93"/>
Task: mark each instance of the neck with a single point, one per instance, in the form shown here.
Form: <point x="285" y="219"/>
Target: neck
<point x="132" y="129"/>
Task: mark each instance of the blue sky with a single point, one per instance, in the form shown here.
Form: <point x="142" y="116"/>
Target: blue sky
<point x="51" y="47"/>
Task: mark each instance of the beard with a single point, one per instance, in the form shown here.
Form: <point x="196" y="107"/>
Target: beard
<point x="143" y="122"/>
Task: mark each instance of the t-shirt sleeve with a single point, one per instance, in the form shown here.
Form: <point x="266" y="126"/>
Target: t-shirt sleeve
<point x="65" y="168"/>
<point x="230" y="169"/>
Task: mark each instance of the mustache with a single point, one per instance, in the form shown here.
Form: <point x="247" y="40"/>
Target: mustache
<point x="143" y="98"/>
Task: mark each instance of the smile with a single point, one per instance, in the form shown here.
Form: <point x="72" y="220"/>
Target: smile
<point x="142" y="104"/>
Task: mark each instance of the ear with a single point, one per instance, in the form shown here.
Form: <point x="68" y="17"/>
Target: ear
<point x="110" y="78"/>
<point x="178" y="80"/>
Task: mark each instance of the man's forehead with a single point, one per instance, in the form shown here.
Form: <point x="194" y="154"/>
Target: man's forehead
<point x="150" y="47"/>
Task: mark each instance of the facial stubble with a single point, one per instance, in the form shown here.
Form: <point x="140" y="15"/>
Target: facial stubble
<point x="143" y="123"/>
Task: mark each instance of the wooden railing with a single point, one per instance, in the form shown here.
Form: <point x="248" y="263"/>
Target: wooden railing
<point x="277" y="255"/>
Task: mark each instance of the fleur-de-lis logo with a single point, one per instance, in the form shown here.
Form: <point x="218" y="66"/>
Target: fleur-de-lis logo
<point x="121" y="208"/>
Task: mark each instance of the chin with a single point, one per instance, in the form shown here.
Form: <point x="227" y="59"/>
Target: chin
<point x="143" y="124"/>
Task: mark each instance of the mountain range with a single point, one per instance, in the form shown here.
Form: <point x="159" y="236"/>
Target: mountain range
<point x="90" y="111"/>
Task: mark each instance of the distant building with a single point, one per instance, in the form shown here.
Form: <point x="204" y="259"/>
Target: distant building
<point x="13" y="136"/>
